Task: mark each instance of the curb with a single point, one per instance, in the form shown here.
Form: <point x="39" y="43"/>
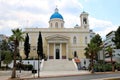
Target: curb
<point x="67" y="75"/>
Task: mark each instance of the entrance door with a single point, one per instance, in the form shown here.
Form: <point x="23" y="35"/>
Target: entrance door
<point x="57" y="54"/>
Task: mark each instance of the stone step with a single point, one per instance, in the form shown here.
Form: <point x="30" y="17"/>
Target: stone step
<point x="58" y="65"/>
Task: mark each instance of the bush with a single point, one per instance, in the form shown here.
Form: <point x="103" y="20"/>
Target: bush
<point x="24" y="66"/>
<point x="102" y="67"/>
<point x="117" y="66"/>
<point x="5" y="68"/>
<point x="108" y="67"/>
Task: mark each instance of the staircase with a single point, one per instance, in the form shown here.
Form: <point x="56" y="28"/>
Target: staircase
<point x="58" y="65"/>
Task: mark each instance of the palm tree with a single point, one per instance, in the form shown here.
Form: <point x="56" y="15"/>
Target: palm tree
<point x="16" y="38"/>
<point x="110" y="50"/>
<point x="91" y="52"/>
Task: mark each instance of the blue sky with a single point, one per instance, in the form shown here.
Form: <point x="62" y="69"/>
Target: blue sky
<point x="103" y="9"/>
<point x="104" y="15"/>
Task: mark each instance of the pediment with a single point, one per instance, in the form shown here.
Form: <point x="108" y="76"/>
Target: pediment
<point x="57" y="37"/>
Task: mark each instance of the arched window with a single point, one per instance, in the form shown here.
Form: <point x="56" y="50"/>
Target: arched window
<point x="84" y="21"/>
<point x="74" y="40"/>
<point x="85" y="40"/>
<point x="51" y="25"/>
<point x="61" y="25"/>
<point x="56" y="24"/>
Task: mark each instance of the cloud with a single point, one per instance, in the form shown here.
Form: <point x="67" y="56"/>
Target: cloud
<point x="30" y="13"/>
<point x="101" y="27"/>
<point x="36" y="13"/>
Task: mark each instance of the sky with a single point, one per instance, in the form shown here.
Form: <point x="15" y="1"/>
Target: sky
<point x="104" y="15"/>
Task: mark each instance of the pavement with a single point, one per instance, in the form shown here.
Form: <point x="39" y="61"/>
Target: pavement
<point x="5" y="75"/>
<point x="25" y="75"/>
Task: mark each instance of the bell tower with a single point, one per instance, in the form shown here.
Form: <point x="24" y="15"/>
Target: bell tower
<point x="84" y="20"/>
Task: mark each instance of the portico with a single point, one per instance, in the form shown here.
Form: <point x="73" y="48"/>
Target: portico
<point x="57" y="47"/>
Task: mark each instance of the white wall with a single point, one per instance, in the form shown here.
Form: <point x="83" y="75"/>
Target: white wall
<point x="26" y="62"/>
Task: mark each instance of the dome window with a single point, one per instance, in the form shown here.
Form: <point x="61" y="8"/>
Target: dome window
<point x="61" y="25"/>
<point x="51" y="25"/>
<point x="56" y="24"/>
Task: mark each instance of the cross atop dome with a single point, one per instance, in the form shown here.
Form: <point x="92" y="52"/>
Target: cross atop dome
<point x="56" y="9"/>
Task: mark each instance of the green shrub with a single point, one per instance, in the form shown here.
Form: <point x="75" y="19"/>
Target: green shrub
<point x="117" y="66"/>
<point x="5" y="68"/>
<point x="108" y="67"/>
<point x="24" y="66"/>
<point x="102" y="67"/>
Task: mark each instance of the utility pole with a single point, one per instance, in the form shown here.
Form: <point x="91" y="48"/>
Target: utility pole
<point x="0" y="56"/>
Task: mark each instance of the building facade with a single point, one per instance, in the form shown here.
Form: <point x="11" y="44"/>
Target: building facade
<point x="59" y="42"/>
<point x="108" y="42"/>
<point x="3" y="37"/>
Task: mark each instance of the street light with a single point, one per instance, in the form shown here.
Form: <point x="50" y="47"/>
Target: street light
<point x="34" y="58"/>
<point x="28" y="65"/>
<point x="0" y="56"/>
<point x="34" y="71"/>
<point x="20" y="64"/>
<point x="85" y="63"/>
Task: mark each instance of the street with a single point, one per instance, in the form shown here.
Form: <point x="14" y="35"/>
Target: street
<point x="83" y="77"/>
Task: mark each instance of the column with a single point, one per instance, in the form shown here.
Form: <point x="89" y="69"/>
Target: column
<point x="48" y="51"/>
<point x="60" y="50"/>
<point x="66" y="51"/>
<point x="54" y="51"/>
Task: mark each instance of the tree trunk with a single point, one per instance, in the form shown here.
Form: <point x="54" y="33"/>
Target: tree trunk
<point x="6" y="66"/>
<point x="112" y="64"/>
<point x="92" y="65"/>
<point x="14" y="64"/>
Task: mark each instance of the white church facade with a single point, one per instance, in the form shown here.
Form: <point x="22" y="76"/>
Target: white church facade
<point x="59" y="42"/>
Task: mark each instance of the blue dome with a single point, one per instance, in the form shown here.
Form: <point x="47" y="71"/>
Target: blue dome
<point x="56" y="14"/>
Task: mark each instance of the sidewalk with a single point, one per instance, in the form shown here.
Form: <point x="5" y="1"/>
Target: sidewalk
<point x="44" y="74"/>
<point x="5" y="75"/>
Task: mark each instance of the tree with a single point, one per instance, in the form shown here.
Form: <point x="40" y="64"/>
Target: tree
<point x="16" y="37"/>
<point x="3" y="48"/>
<point x="91" y="52"/>
<point x="26" y="46"/>
<point x="109" y="52"/>
<point x="116" y="40"/>
<point x="40" y="46"/>
<point x="8" y="58"/>
<point x="4" y="45"/>
<point x="97" y="40"/>
<point x="39" y="50"/>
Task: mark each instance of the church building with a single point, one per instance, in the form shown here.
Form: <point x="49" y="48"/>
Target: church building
<point x="59" y="42"/>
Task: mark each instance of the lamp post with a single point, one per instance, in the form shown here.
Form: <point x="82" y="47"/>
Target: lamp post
<point x="20" y="64"/>
<point x="28" y="65"/>
<point x="34" y="71"/>
<point x="0" y="56"/>
<point x="34" y="59"/>
<point x="85" y="63"/>
<point x="38" y="65"/>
